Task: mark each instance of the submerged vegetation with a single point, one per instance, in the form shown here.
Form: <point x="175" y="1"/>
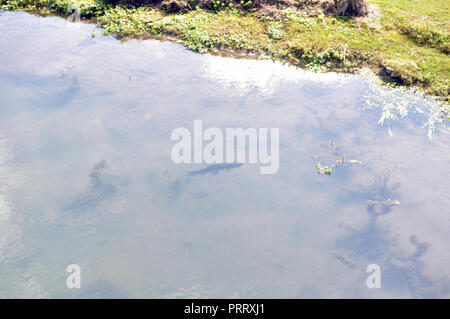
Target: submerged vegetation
<point x="406" y="44"/>
<point x="397" y="103"/>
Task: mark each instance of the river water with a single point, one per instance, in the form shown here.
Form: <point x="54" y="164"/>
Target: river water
<point x="86" y="176"/>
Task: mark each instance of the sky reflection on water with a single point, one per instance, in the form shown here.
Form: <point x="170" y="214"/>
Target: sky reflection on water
<point x="86" y="177"/>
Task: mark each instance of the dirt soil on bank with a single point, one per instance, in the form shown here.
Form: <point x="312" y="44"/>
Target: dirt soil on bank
<point x="271" y="8"/>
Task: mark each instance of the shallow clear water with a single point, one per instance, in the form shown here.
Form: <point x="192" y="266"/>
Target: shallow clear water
<point x="86" y="177"/>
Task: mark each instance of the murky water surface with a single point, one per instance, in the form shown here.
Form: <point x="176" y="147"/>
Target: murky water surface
<point x="86" y="176"/>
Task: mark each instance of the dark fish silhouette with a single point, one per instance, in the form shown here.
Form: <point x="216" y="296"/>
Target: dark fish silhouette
<point x="214" y="169"/>
<point x="99" y="190"/>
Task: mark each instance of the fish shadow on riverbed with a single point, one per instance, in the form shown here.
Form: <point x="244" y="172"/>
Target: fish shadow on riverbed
<point x="176" y="187"/>
<point x="99" y="190"/>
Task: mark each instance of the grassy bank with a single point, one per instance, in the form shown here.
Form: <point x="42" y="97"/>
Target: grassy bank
<point x="408" y="43"/>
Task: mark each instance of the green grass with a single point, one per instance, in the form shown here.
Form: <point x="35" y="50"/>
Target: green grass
<point x="411" y="42"/>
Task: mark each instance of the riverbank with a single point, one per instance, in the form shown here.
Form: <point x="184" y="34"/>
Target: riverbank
<point x="407" y="45"/>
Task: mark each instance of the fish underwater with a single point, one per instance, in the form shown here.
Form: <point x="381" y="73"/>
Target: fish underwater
<point x="214" y="169"/>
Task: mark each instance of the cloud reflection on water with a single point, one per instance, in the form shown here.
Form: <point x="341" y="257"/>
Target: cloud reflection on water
<point x="294" y="234"/>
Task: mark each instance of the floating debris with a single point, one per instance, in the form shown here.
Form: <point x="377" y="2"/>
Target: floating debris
<point x="327" y="169"/>
<point x="323" y="170"/>
<point x="378" y="208"/>
<point x="343" y="256"/>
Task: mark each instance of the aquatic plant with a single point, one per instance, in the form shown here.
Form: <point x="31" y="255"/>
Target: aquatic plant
<point x="396" y="102"/>
<point x="327" y="169"/>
